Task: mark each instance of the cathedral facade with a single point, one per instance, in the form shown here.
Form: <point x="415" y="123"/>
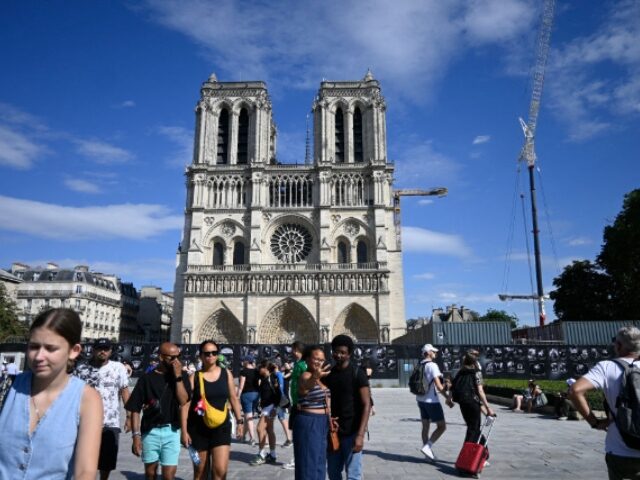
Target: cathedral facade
<point x="278" y="252"/>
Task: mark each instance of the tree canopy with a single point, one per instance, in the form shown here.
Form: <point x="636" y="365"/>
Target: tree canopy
<point x="10" y="325"/>
<point x="608" y="288"/>
<point x="493" y="315"/>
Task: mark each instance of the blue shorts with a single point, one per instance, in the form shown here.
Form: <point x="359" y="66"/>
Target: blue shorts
<point x="161" y="444"/>
<point x="249" y="402"/>
<point x="431" y="411"/>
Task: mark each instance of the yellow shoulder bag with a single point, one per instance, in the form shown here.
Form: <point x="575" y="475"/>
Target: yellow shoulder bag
<point x="213" y="417"/>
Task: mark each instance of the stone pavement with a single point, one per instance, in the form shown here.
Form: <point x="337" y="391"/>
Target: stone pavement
<point x="522" y="447"/>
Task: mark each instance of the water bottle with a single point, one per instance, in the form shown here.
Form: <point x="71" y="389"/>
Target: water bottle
<point x="193" y="453"/>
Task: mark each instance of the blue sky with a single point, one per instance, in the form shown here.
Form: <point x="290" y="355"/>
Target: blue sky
<point x="97" y="112"/>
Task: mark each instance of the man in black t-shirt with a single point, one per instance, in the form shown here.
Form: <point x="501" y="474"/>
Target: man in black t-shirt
<point x="159" y="394"/>
<point x="351" y="404"/>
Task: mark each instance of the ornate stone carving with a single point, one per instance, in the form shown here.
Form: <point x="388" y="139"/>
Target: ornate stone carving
<point x="266" y="216"/>
<point x="352" y="229"/>
<point x="209" y="221"/>
<point x="356" y="322"/>
<point x="222" y="326"/>
<point x="291" y="243"/>
<point x="335" y="218"/>
<point x="228" y="229"/>
<point x="286" y="321"/>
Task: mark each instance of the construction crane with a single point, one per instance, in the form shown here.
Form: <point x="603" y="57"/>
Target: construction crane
<point x="439" y="192"/>
<point x="528" y="152"/>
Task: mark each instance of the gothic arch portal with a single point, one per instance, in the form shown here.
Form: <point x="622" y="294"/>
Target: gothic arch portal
<point x="288" y="320"/>
<point x="223" y="327"/>
<point x="358" y="323"/>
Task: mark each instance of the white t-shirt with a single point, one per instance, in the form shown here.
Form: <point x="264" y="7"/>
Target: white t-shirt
<point x="607" y="376"/>
<point x="108" y="380"/>
<point x="431" y="371"/>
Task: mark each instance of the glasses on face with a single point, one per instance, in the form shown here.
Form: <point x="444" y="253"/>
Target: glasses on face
<point x="102" y="349"/>
<point x="209" y="353"/>
<point x="171" y="358"/>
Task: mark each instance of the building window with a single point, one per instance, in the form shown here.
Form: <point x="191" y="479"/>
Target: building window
<point x="218" y="253"/>
<point x="78" y="288"/>
<point x="238" y="253"/>
<point x="339" y="136"/>
<point x="343" y="252"/>
<point x="363" y="254"/>
<point x="358" y="154"/>
<point x="223" y="137"/>
<point x="243" y="137"/>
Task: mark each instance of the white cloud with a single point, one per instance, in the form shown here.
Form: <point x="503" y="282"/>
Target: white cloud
<point x="183" y="141"/>
<point x="82" y="186"/>
<point x="102" y="152"/>
<point x="126" y="104"/>
<point x="579" y="241"/>
<point x="425" y="201"/>
<point x="424" y="276"/>
<point x="415" y="239"/>
<point x="594" y="80"/>
<point x="17" y="150"/>
<point x="130" y="221"/>
<point x="420" y="165"/>
<point x="409" y="43"/>
<point x="480" y="139"/>
<point x="468" y="298"/>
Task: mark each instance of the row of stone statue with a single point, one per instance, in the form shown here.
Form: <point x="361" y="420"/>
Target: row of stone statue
<point x="290" y="283"/>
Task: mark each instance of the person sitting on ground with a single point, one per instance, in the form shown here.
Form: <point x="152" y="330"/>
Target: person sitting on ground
<point x="528" y="398"/>
<point x="564" y="407"/>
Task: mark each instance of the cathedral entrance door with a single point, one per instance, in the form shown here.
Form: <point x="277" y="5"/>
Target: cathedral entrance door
<point x="288" y="320"/>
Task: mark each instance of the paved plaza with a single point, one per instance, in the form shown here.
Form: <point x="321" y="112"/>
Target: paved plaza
<point x="522" y="447"/>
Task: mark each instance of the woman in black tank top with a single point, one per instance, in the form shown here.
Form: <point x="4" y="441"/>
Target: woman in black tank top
<point x="218" y="391"/>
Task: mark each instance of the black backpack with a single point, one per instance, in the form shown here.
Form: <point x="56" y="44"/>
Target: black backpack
<point x="463" y="387"/>
<point x="417" y="385"/>
<point x="627" y="416"/>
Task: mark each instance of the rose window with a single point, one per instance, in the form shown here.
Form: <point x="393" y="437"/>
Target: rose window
<point x="291" y="243"/>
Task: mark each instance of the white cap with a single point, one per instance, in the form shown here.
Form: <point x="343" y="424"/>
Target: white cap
<point x="571" y="381"/>
<point x="429" y="348"/>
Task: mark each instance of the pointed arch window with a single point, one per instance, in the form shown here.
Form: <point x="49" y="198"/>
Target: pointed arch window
<point x="343" y="252"/>
<point x="238" y="253"/>
<point x="218" y="254"/>
<point x="223" y="137"/>
<point x="362" y="252"/>
<point x="243" y="137"/>
<point x="339" y="122"/>
<point x="358" y="153"/>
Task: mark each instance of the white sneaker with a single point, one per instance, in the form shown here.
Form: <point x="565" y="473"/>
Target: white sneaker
<point x="290" y="466"/>
<point x="426" y="450"/>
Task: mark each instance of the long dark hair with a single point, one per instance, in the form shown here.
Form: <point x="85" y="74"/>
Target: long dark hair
<point x="63" y="321"/>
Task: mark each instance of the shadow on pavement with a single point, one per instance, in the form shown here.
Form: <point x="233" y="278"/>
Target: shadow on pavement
<point x="140" y="476"/>
<point x="394" y="457"/>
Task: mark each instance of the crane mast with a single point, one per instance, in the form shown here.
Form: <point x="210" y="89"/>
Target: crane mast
<point x="528" y="152"/>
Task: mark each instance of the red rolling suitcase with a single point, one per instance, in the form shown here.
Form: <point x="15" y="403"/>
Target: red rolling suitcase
<point x="473" y="454"/>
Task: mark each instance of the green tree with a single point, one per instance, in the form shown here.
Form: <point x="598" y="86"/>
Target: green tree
<point x="10" y="325"/>
<point x="620" y="258"/>
<point x="583" y="292"/>
<point x="608" y="288"/>
<point x="493" y="315"/>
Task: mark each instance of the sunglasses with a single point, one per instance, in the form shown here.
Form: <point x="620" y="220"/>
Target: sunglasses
<point x="171" y="358"/>
<point x="209" y="353"/>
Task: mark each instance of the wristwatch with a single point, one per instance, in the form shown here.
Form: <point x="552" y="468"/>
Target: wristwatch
<point x="240" y="421"/>
<point x="179" y="379"/>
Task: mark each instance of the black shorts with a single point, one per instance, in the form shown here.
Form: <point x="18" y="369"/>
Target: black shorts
<point x="109" y="449"/>
<point x="204" y="438"/>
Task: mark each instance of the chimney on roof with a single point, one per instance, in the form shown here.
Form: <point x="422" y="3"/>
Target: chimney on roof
<point x="19" y="267"/>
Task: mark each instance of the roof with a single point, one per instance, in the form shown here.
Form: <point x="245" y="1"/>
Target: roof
<point x="42" y="275"/>
<point x="8" y="277"/>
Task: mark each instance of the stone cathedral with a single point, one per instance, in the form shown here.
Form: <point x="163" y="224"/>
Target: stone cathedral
<point x="275" y="252"/>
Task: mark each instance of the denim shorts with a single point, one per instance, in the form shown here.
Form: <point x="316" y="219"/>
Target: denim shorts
<point x="161" y="444"/>
<point x="431" y="411"/>
<point x="249" y="402"/>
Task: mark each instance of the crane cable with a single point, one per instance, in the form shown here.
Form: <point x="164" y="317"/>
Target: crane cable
<point x="510" y="232"/>
<point x="526" y="239"/>
<point x="552" y="240"/>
